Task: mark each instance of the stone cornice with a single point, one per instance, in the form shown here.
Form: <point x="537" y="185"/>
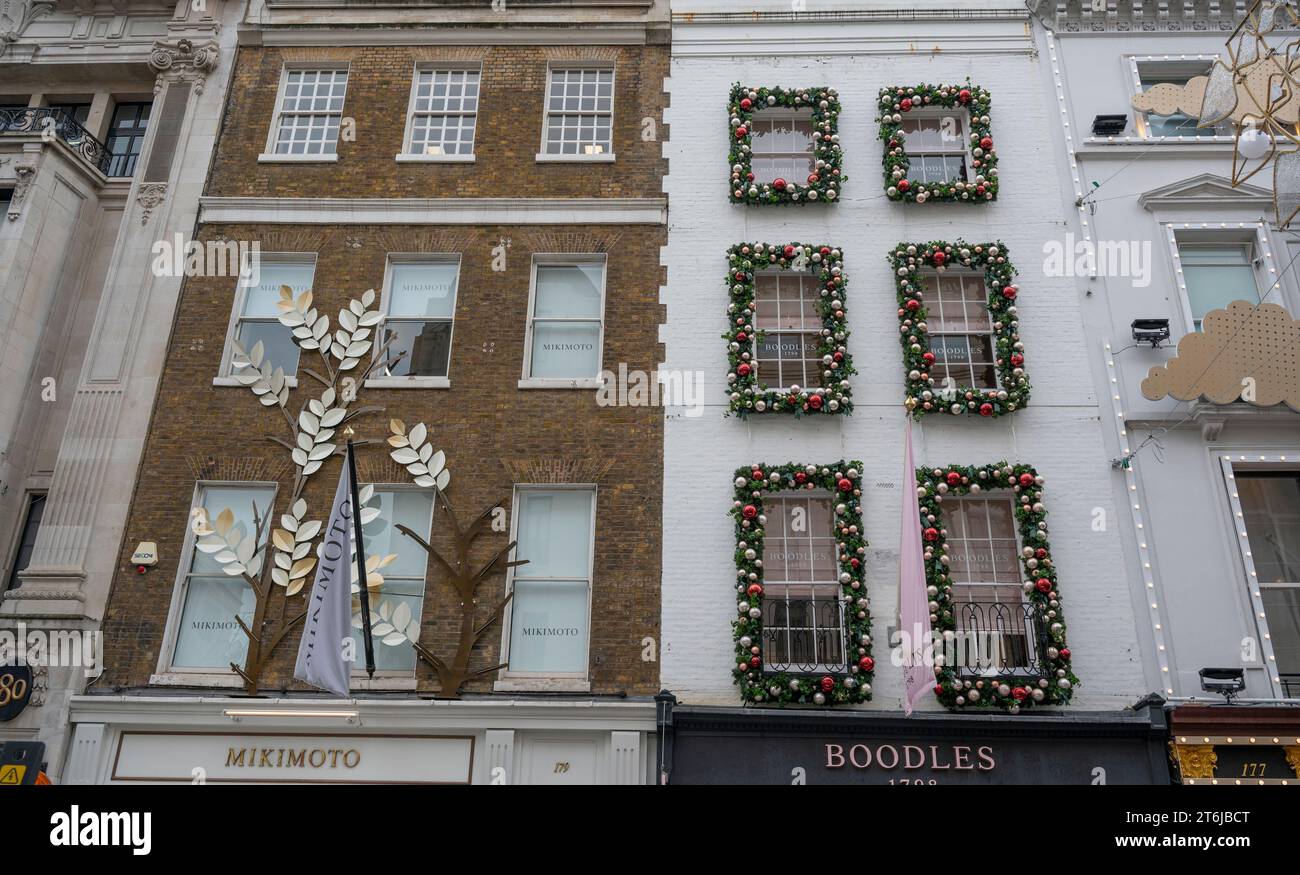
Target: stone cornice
<point x="1074" y="17"/>
<point x="434" y="211"/>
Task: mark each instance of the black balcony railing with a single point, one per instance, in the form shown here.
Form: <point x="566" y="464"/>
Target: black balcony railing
<point x="1291" y="685"/>
<point x="40" y="119"/>
<point x="803" y="634"/>
<point x="1000" y="640"/>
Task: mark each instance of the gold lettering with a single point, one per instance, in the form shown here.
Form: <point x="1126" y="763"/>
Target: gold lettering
<point x="297" y="758"/>
<point x="356" y="758"/>
<point x="232" y="760"/>
<point x="311" y="758"/>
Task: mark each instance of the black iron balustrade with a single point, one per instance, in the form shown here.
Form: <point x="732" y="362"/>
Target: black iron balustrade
<point x="1290" y="685"/>
<point x="993" y="639"/>
<point x="40" y="119"/>
<point x="804" y="635"/>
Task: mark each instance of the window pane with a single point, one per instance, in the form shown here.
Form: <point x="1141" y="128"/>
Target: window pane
<point x="427" y="346"/>
<point x="278" y="347"/>
<point x="554" y="533"/>
<point x="389" y="657"/>
<point x="27" y="541"/>
<point x="423" y="290"/>
<point x="260" y="300"/>
<point x="548" y="626"/>
<point x="565" y="349"/>
<point x="208" y="636"/>
<point x="1216" y="276"/>
<point x="411" y="508"/>
<point x="1282" y="608"/>
<point x="569" y="291"/>
<point x="240" y="500"/>
<point x="1270" y="506"/>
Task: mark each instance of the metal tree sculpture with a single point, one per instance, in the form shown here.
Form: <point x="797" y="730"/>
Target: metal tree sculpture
<point x="310" y="444"/>
<point x="462" y="576"/>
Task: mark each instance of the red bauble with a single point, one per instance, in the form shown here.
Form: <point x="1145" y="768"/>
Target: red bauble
<point x="749" y="177"/>
<point x="927" y="357"/>
<point x="866" y="663"/>
<point x="778" y="184"/>
<point x="744" y="369"/>
<point x="1043" y="585"/>
<point x="1040" y="553"/>
<point x="953" y="478"/>
<point x="939" y="257"/>
<point x="986" y="143"/>
<point x="906" y="104"/>
<point x="740" y="274"/>
<point x="755" y="662"/>
<point x="788" y="252"/>
<point x="964" y="95"/>
<point x="828" y="684"/>
<point x="1065" y="653"/>
<point x="741" y="336"/>
<point x="931" y="534"/>
<point x="741" y="132"/>
<point x="815" y="402"/>
<point x="986" y="409"/>
<point x="938" y="689"/>
<point x="979" y="189"/>
<point x="845" y="484"/>
<point x="904" y="185"/>
<point x="1026" y="480"/>
<point x="1019" y="694"/>
<point x="749" y="511"/>
<point x="1017" y="360"/>
<point x="756" y="474"/>
<point x="913" y="304"/>
<point x="839" y="356"/>
<point x="1010" y="293"/>
<point x="825" y="251"/>
<point x="746" y="103"/>
<point x="754" y="590"/>
<point x="855" y="561"/>
<point x="800" y="477"/>
<point x="812" y="178"/>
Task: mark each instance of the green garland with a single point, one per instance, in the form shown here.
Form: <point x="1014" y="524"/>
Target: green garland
<point x="897" y="102"/>
<point x="823" y="184"/>
<point x="1056" y="685"/>
<point x="745" y="392"/>
<point x="843" y="481"/>
<point x="907" y="261"/>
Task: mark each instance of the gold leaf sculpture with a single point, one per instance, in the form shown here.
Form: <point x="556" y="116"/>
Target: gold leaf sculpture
<point x="1247" y="352"/>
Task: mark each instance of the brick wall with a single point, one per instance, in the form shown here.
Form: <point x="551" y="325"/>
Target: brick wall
<point x="506" y="142"/>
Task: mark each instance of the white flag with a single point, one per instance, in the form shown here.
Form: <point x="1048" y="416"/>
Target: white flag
<point x="328" y="624"/>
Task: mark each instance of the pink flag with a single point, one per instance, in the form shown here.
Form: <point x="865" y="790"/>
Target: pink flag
<point x="913" y="603"/>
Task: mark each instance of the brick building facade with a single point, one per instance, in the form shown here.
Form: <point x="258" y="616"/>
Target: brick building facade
<point x="540" y="199"/>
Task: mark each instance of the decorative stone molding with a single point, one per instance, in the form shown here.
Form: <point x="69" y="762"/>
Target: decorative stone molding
<point x="184" y="60"/>
<point x="1194" y="760"/>
<point x="1140" y="16"/>
<point x="16" y="15"/>
<point x="150" y="197"/>
<point x="24" y="174"/>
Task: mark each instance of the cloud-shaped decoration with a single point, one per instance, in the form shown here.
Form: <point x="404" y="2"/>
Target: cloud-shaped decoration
<point x="1246" y="345"/>
<point x="1261" y="87"/>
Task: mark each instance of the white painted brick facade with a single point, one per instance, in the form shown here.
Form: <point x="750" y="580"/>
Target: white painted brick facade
<point x="1059" y="433"/>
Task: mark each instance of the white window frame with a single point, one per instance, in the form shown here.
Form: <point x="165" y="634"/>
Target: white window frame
<point x="394" y="678"/>
<point x="415" y="381"/>
<point x="1206" y="230"/>
<point x="1140" y="123"/>
<point x="963" y="144"/>
<point x="551" y="69"/>
<point x="832" y="584"/>
<point x="225" y="376"/>
<point x="269" y="155"/>
<point x="786" y="114"/>
<point x="1230" y="464"/>
<point x="807" y="274"/>
<point x="439" y="67"/>
<point x="508" y="680"/>
<point x="1032" y="642"/>
<point x="592" y="382"/>
<point x="992" y="334"/>
<point x="166" y="673"/>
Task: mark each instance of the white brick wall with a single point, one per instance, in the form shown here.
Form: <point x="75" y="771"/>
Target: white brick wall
<point x="1059" y="433"/>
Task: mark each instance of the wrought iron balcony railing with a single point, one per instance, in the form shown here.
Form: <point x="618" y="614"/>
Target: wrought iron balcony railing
<point x="999" y="640"/>
<point x="40" y="119"/>
<point x="804" y="635"/>
<point x="1291" y="685"/>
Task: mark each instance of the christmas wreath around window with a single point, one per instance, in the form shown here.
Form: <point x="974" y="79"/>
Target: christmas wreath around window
<point x="746" y="391"/>
<point x="909" y="261"/>
<point x="851" y="680"/>
<point x="822" y="183"/>
<point x="1050" y="679"/>
<point x="903" y="182"/>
